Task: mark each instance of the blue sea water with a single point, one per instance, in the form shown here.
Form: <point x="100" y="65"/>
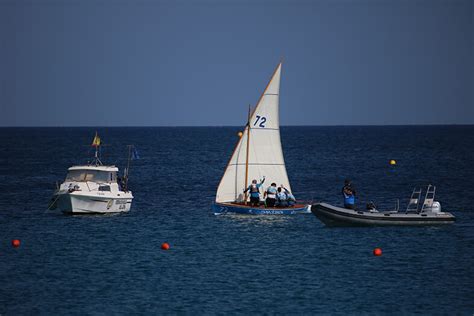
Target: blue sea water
<point x="236" y="264"/>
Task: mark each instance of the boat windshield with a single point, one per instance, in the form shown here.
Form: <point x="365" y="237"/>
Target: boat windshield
<point x="91" y="175"/>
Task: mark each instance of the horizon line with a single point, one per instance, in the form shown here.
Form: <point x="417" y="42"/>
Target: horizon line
<point x="221" y="126"/>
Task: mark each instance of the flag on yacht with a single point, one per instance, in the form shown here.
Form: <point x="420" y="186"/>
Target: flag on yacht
<point x="96" y="141"/>
<point x="135" y="153"/>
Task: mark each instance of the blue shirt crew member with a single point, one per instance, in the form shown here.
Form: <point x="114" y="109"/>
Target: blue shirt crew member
<point x="254" y="189"/>
<point x="349" y="194"/>
<point x="282" y="198"/>
<point x="290" y="197"/>
<point x="270" y="195"/>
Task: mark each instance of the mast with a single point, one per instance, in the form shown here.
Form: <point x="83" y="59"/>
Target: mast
<point x="247" y="155"/>
<point x="97" y="155"/>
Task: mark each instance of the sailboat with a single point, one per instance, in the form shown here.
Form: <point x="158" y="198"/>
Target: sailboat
<point x="257" y="155"/>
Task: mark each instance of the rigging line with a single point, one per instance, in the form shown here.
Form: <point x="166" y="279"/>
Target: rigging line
<point x="55" y="200"/>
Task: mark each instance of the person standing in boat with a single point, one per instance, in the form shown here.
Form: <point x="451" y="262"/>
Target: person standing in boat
<point x="349" y="193"/>
<point x="254" y="190"/>
<point x="270" y="195"/>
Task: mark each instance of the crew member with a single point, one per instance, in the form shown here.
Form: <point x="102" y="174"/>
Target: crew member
<point x="290" y="197"/>
<point x="254" y="190"/>
<point x="282" y="198"/>
<point x="270" y="195"/>
<point x="349" y="194"/>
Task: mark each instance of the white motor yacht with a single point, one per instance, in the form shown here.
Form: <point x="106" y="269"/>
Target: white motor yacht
<point x="92" y="188"/>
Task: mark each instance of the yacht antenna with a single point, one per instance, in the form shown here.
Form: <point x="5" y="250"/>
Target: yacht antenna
<point x="128" y="167"/>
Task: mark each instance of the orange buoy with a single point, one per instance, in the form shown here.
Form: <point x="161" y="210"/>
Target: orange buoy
<point x="377" y="252"/>
<point x="165" y="246"/>
<point x="240" y="134"/>
<point x="393" y="162"/>
<point x="16" y="243"/>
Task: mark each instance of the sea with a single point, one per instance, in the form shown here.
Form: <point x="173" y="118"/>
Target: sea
<point x="230" y="264"/>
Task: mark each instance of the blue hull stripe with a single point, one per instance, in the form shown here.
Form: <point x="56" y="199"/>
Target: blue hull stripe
<point x="256" y="164"/>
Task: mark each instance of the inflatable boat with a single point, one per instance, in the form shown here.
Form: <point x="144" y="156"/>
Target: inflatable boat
<point x="429" y="213"/>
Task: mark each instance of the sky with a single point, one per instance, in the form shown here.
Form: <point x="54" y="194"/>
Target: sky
<point x="201" y="63"/>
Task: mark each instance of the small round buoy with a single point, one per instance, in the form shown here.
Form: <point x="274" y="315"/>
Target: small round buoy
<point x="393" y="162"/>
<point x="16" y="243"/>
<point x="377" y="252"/>
<point x="240" y="134"/>
<point x="165" y="246"/>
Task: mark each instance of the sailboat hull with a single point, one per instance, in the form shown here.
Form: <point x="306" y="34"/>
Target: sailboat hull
<point x="222" y="208"/>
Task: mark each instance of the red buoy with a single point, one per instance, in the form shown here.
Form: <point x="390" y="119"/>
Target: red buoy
<point x="16" y="243"/>
<point x="165" y="246"/>
<point x="377" y="252"/>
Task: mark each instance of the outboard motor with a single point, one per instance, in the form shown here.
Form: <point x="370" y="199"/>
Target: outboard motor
<point x="436" y="207"/>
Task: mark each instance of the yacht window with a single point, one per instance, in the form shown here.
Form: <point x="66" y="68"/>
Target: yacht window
<point x="104" y="188"/>
<point x="76" y="175"/>
<point x="91" y="175"/>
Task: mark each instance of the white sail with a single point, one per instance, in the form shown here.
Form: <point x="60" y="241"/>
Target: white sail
<point x="265" y="152"/>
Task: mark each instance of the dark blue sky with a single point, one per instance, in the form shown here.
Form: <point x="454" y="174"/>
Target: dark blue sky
<point x="69" y="63"/>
